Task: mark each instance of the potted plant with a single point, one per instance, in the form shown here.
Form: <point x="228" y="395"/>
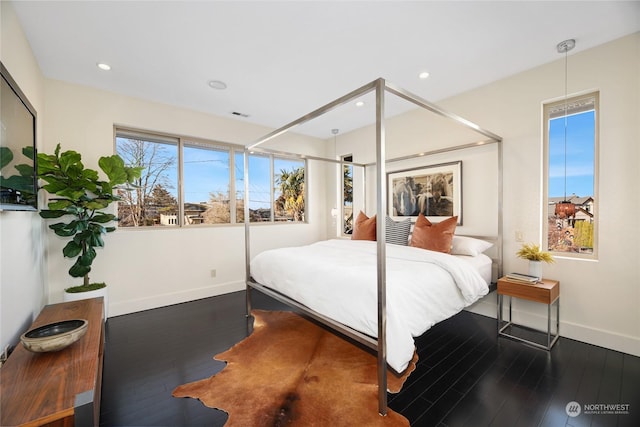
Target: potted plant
<point x="81" y="196"/>
<point x="536" y="257"/>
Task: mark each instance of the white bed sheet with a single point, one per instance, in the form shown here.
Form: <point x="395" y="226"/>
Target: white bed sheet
<point x="337" y="278"/>
<point x="481" y="263"/>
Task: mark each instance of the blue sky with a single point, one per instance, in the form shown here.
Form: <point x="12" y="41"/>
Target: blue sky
<point x="207" y="171"/>
<point x="580" y="155"/>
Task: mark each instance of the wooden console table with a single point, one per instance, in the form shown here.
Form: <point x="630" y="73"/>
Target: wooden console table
<point x="57" y="389"/>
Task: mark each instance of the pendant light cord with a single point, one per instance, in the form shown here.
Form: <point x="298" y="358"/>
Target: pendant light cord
<point x="565" y="47"/>
<point x="566" y="73"/>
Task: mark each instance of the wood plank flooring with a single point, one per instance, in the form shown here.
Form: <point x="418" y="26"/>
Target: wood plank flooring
<point x="466" y="376"/>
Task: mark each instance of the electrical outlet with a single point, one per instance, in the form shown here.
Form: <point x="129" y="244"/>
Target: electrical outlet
<point x="213" y="273"/>
<point x="519" y="236"/>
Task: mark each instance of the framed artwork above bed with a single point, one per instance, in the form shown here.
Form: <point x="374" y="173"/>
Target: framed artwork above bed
<point x="435" y="191"/>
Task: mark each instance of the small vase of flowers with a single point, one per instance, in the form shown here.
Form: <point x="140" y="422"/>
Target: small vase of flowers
<point x="536" y="257"/>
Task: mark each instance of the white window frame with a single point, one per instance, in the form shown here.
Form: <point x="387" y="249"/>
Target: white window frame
<point x="574" y="105"/>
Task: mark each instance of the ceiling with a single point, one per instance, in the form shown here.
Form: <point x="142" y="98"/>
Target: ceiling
<point x="282" y="60"/>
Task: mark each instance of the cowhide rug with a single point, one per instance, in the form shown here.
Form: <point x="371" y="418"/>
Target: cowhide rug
<point x="290" y="371"/>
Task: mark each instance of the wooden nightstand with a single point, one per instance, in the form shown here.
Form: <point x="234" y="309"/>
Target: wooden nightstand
<point x="545" y="292"/>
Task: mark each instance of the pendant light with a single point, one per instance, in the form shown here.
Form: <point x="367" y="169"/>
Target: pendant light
<point x="565" y="209"/>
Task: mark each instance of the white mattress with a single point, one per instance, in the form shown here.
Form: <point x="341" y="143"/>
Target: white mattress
<point x="337" y="278"/>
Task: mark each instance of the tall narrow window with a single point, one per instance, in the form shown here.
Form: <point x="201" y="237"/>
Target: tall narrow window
<point x="238" y="169"/>
<point x="259" y="188"/>
<point x="154" y="199"/>
<point x="347" y="195"/>
<point x="571" y="186"/>
<point x="289" y="190"/>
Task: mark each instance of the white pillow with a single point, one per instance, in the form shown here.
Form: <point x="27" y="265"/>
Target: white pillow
<point x="463" y="245"/>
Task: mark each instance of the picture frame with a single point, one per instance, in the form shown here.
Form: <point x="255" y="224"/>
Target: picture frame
<point x="434" y="190"/>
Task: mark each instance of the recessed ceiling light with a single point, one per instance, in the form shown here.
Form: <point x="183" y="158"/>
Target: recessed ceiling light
<point x="103" y="66"/>
<point x="217" y="84"/>
<point x="359" y="104"/>
<point x="423" y="75"/>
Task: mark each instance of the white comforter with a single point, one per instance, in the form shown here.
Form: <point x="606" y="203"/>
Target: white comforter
<point x="337" y="278"/>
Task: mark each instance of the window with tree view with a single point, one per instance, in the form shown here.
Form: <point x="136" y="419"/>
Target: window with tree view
<point x="571" y="185"/>
<point x="153" y="199"/>
<point x="347" y="195"/>
<point x="289" y="191"/>
<point x="211" y="172"/>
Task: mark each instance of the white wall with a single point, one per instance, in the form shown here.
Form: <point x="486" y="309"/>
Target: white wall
<point x="22" y="291"/>
<point x="147" y="268"/>
<point x="150" y="268"/>
<point x="600" y="300"/>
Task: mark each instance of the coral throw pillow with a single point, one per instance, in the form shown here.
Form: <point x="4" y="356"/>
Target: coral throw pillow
<point x="434" y="237"/>
<point x="365" y="228"/>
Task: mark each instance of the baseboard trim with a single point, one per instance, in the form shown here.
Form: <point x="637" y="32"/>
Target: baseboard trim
<point x="488" y="306"/>
<point x="156" y="301"/>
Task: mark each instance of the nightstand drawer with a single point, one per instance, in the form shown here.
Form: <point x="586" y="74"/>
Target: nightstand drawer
<point x="545" y="292"/>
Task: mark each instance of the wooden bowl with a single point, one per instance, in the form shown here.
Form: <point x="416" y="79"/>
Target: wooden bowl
<point x="54" y="336"/>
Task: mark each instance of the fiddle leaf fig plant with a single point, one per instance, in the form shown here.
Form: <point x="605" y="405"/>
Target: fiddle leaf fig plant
<point x="80" y="197"/>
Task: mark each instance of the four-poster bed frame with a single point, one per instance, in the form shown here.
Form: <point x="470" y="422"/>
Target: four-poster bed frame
<point x="379" y="86"/>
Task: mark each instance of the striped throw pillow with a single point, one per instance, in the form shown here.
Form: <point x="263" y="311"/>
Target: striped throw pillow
<point x="398" y="231"/>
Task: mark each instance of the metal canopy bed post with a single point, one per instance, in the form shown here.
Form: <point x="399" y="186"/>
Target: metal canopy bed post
<point x="380" y="85"/>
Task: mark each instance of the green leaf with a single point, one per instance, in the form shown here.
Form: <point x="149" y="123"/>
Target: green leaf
<point x="87" y="258"/>
<point x="90" y="174"/>
<point x="70" y="193"/>
<point x="134" y="173"/>
<point x="25" y="170"/>
<point x="96" y="204"/>
<point x="46" y="164"/>
<point x="72" y="249"/>
<point x="6" y="156"/>
<point x="29" y="152"/>
<point x="62" y="231"/>
<point x="69" y="159"/>
<point x="54" y="186"/>
<point x="79" y="270"/>
<point x="96" y="240"/>
<point x="113" y="166"/>
<point x="19" y="183"/>
<point x="107" y="189"/>
<point x="78" y="225"/>
<point x="52" y="214"/>
<point x="110" y="229"/>
<point x="60" y="204"/>
<point x="103" y="218"/>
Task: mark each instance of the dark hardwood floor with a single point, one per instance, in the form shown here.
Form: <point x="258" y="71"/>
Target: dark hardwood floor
<point x="466" y="376"/>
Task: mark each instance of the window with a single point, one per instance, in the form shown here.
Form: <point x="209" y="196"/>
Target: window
<point x="210" y="174"/>
<point x="154" y="198"/>
<point x="289" y="189"/>
<point x="206" y="181"/>
<point x="571" y="142"/>
<point x="347" y="195"/>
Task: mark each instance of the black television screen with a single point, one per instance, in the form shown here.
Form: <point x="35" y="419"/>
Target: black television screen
<point x="18" y="181"/>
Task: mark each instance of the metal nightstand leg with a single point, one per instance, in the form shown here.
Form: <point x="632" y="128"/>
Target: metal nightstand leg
<point x="550" y="341"/>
